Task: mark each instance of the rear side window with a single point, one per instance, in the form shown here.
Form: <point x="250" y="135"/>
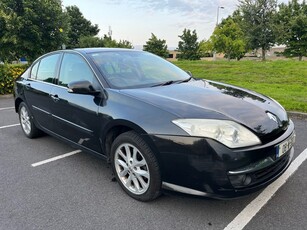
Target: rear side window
<point x="34" y="70"/>
<point x="47" y="68"/>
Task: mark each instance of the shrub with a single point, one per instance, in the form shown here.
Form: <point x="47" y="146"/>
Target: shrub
<point x="8" y="74"/>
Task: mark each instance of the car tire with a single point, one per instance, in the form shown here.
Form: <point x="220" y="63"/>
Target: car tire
<point x="135" y="167"/>
<point x="26" y="121"/>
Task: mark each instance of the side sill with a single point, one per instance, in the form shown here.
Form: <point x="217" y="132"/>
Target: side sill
<point x="182" y="189"/>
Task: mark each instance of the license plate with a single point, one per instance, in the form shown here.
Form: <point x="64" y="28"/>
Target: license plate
<point x="285" y="145"/>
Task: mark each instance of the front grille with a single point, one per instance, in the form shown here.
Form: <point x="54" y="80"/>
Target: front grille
<point x="271" y="170"/>
<point x="265" y="174"/>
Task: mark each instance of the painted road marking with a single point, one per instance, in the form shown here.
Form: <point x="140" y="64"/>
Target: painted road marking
<point x="8" y="126"/>
<point x="55" y="158"/>
<point x="245" y="216"/>
<point x="7" y="108"/>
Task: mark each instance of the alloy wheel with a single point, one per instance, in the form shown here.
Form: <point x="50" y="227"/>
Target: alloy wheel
<point x="132" y="169"/>
<point x="25" y="120"/>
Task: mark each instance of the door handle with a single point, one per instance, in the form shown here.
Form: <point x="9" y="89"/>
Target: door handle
<point x="55" y="97"/>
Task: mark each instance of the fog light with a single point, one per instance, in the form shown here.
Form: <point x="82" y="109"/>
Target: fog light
<point x="240" y="180"/>
<point x="247" y="180"/>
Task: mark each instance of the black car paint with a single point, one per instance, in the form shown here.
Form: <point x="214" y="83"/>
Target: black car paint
<point x="196" y="163"/>
<point x="205" y="166"/>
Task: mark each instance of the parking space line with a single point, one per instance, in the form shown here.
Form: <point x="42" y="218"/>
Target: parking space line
<point x="55" y="158"/>
<point x="6" y="108"/>
<point x="246" y="215"/>
<point x="8" y="126"/>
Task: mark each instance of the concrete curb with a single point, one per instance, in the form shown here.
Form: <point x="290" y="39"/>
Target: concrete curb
<point x="299" y="115"/>
<point x="6" y="96"/>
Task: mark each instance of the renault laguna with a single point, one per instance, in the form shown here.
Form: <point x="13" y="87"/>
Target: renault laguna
<point x="157" y="125"/>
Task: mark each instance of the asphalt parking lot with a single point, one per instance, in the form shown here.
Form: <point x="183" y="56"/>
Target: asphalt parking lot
<point x="78" y="191"/>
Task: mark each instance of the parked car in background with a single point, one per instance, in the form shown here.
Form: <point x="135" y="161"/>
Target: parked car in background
<point x="159" y="127"/>
<point x="23" y="60"/>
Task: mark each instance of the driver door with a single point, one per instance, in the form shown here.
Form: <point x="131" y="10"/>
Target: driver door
<point x="76" y="115"/>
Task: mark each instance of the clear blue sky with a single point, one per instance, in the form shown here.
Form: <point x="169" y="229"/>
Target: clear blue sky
<point x="135" y="20"/>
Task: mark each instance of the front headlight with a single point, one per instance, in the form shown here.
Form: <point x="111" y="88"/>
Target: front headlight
<point x="227" y="132"/>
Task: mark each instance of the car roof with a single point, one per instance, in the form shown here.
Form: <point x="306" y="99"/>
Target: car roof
<point x="85" y="51"/>
<point x="95" y="50"/>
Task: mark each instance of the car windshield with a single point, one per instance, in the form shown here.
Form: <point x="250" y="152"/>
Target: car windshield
<point x="136" y="69"/>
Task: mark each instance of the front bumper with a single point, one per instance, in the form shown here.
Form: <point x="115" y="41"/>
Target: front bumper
<point x="202" y="166"/>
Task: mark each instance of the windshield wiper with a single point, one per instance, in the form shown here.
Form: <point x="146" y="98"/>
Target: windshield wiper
<point x="172" y="82"/>
<point x="164" y="83"/>
<point x="185" y="80"/>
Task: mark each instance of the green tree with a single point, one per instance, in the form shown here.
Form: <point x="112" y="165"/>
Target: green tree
<point x="206" y="48"/>
<point x="228" y="38"/>
<point x="189" y="46"/>
<point x="9" y="5"/>
<point x="79" y="26"/>
<point x="237" y="17"/>
<point x="31" y="28"/>
<point x="156" y="46"/>
<point x="111" y="43"/>
<point x="258" y="23"/>
<point x="291" y="23"/>
<point x="90" y="41"/>
<point x="106" y="41"/>
<point x="2" y="25"/>
<point x="124" y="44"/>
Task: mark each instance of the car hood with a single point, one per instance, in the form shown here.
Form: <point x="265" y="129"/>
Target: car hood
<point x="213" y="100"/>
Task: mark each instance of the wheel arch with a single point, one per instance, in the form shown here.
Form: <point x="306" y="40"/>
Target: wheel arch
<point x="17" y="103"/>
<point x="121" y="126"/>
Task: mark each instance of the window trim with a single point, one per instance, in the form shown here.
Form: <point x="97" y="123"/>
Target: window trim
<point x="102" y="82"/>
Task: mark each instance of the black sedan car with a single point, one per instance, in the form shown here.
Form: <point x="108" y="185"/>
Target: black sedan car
<point x="157" y="125"/>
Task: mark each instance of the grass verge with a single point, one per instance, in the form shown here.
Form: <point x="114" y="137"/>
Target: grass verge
<point x="285" y="81"/>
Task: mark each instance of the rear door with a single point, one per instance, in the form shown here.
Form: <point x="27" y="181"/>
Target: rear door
<point x="38" y="87"/>
<point x="76" y="115"/>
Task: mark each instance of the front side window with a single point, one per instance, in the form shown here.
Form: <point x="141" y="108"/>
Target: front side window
<point x="47" y="68"/>
<point x="74" y="68"/>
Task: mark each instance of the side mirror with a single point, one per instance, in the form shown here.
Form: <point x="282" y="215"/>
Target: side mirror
<point x="82" y="87"/>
